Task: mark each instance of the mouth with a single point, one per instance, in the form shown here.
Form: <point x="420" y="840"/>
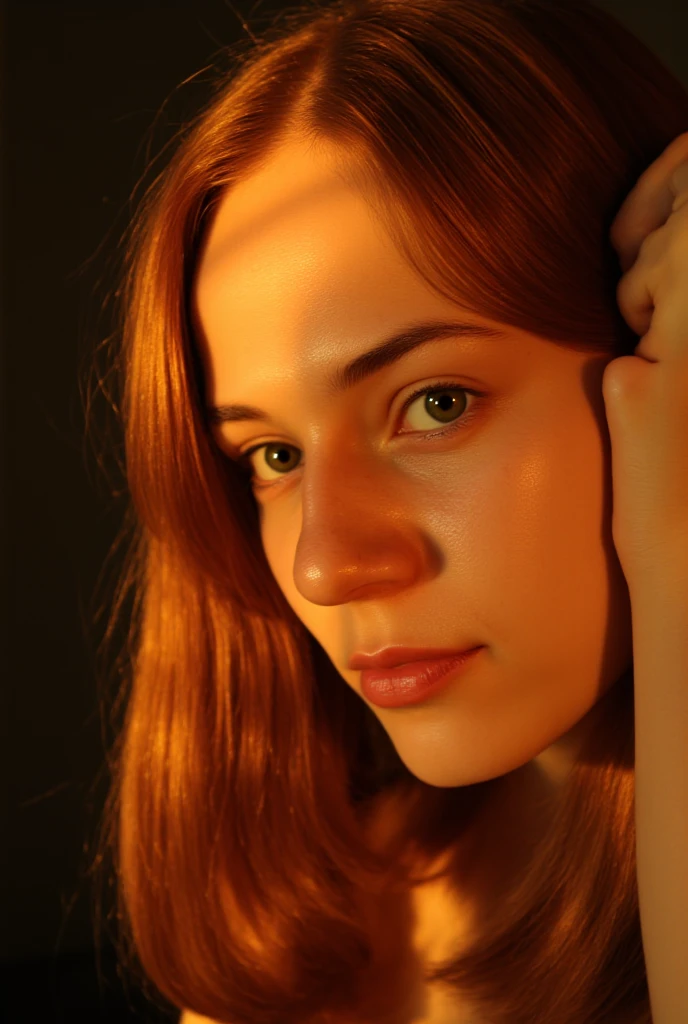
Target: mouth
<point x="396" y="657"/>
<point x="414" y="682"/>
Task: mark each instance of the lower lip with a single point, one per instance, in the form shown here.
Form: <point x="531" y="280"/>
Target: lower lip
<point x="415" y="682"/>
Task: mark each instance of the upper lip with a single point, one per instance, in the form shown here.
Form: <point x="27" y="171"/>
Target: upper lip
<point x="391" y="657"/>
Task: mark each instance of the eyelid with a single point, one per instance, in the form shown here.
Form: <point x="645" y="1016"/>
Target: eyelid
<point x="243" y="457"/>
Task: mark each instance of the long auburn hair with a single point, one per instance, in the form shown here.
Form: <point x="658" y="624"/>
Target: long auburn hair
<point x="496" y="140"/>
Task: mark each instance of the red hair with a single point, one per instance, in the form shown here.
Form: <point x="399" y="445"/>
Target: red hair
<point x="496" y="139"/>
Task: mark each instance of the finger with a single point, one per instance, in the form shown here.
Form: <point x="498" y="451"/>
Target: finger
<point x="635" y="298"/>
<point x="650" y="202"/>
<point x="680" y="186"/>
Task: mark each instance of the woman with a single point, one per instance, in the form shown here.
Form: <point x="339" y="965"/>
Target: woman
<point x="368" y="309"/>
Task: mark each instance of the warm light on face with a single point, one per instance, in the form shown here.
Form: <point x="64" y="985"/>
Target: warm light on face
<point x="379" y="529"/>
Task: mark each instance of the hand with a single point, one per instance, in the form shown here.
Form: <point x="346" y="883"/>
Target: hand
<point x="646" y="394"/>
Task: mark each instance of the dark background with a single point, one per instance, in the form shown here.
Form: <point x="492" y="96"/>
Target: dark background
<point x="87" y="102"/>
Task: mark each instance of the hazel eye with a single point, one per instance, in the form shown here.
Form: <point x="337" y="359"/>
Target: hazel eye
<point x="277" y="456"/>
<point x="440" y="404"/>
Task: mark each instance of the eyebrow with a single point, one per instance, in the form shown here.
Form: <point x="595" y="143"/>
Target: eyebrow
<point x="387" y="352"/>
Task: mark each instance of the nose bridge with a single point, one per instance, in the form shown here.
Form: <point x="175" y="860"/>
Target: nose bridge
<point x="358" y="536"/>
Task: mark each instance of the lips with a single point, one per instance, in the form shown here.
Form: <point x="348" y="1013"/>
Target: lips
<point x="415" y="682"/>
<point x="392" y="657"/>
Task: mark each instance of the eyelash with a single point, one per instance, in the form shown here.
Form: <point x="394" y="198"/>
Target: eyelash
<point x="243" y="458"/>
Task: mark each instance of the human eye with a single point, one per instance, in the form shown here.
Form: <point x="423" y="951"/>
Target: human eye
<point x="439" y="401"/>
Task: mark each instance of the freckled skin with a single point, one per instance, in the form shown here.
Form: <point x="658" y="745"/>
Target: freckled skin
<point x="498" y="534"/>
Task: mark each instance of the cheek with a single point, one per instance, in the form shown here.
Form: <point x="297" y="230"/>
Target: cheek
<point x="280" y="540"/>
<point x="560" y="579"/>
<point x="279" y="547"/>
<point x="529" y="522"/>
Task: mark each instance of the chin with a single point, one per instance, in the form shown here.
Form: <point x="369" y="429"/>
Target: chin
<point x="449" y="776"/>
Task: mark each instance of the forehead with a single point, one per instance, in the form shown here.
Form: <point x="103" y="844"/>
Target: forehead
<point x="295" y="261"/>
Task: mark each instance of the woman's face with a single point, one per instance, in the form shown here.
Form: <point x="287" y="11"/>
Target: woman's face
<point x="498" y="533"/>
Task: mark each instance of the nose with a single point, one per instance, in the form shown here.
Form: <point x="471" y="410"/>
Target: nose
<point x="359" y="537"/>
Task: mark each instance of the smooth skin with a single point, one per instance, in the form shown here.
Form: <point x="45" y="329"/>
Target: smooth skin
<point x="498" y="533"/>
